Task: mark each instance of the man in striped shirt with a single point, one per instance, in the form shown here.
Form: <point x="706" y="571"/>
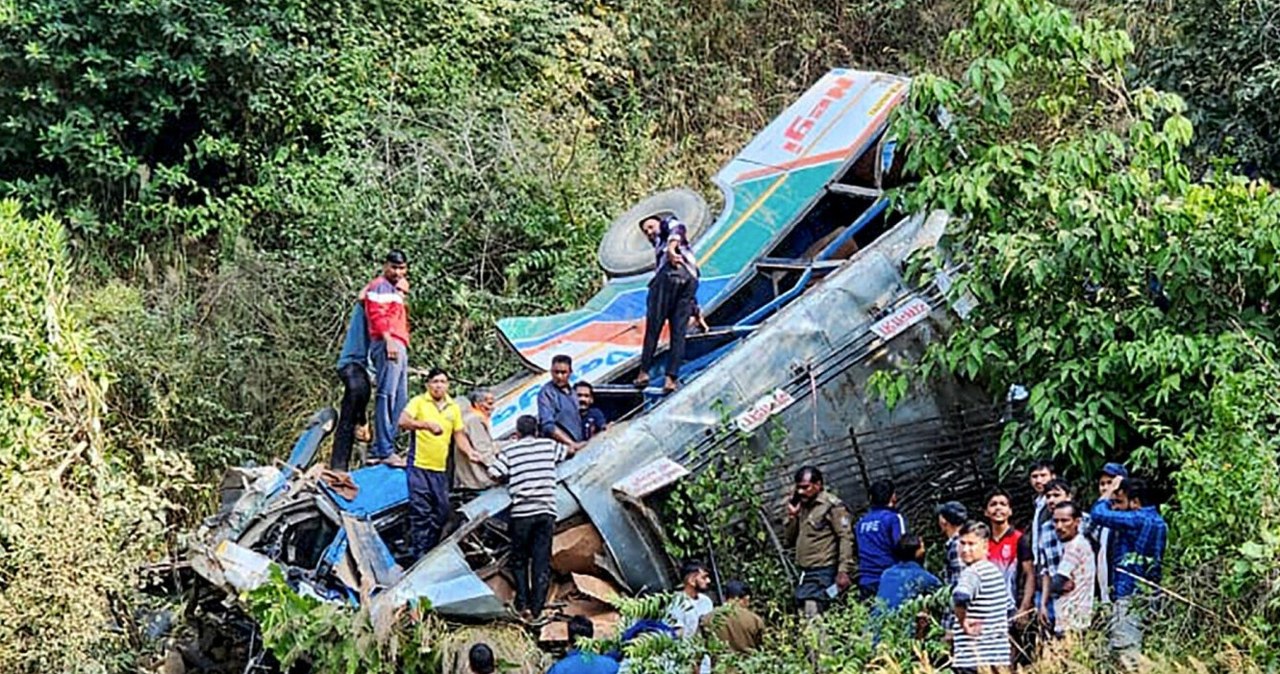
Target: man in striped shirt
<point x="982" y="603"/>
<point x="528" y="466"/>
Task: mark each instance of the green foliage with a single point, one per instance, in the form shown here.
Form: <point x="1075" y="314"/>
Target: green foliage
<point x="333" y="637"/>
<point x="1224" y="59"/>
<point x="1136" y="304"/>
<point x="216" y="366"/>
<point x="1080" y="221"/>
<point x="847" y="638"/>
<point x="132" y="117"/>
<point x="78" y="515"/>
<point x="717" y="514"/>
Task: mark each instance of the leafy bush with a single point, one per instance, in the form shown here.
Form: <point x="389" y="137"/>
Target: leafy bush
<point x="1224" y="59"/>
<point x="717" y="515"/>
<point x="1136" y="304"/>
<point x="134" y="117"/>
<point x="78" y="515"/>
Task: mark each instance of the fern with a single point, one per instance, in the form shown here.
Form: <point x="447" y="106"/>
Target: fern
<point x="651" y="607"/>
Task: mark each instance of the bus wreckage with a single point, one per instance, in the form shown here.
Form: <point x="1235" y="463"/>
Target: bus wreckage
<point x="803" y="283"/>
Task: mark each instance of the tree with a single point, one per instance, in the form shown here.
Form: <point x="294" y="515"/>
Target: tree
<point x="1137" y="305"/>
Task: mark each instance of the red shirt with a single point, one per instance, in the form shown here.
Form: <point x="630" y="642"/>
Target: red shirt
<point x="1004" y="554"/>
<point x="384" y="309"/>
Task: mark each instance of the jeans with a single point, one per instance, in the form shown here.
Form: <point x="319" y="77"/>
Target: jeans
<point x="1125" y="636"/>
<point x="428" y="507"/>
<point x="353" y="412"/>
<point x="672" y="296"/>
<point x="393" y="395"/>
<point x="531" y="560"/>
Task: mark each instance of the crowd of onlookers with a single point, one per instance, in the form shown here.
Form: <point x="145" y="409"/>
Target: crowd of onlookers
<point x="1013" y="591"/>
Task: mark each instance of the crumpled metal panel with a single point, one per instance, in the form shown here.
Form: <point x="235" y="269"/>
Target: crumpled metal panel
<point x="443" y="578"/>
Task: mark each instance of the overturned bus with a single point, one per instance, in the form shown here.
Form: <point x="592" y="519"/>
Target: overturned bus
<point x="803" y="284"/>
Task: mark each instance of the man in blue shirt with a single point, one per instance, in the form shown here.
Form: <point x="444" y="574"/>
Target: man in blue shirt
<point x="593" y="419"/>
<point x="906" y="579"/>
<point x="577" y="661"/>
<point x="1139" y="535"/>
<point x="877" y="532"/>
<point x="353" y="371"/>
<point x="558" y="417"/>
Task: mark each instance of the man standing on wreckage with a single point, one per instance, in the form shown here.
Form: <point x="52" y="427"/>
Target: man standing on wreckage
<point x="672" y="296"/>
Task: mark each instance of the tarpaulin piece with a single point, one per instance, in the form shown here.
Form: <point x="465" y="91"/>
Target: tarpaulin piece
<point x="379" y="489"/>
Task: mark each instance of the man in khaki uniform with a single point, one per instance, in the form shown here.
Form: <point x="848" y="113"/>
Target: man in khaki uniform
<point x="819" y="526"/>
<point x="734" y="622"/>
<point x="470" y="469"/>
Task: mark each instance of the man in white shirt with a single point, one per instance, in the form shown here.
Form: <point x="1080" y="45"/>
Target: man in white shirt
<point x="1072" y="582"/>
<point x="692" y="604"/>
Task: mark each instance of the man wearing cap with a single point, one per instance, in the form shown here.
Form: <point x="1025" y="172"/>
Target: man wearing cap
<point x="1139" y="536"/>
<point x="951" y="516"/>
<point x="388" y="325"/>
<point x="1112" y="473"/>
<point x="819" y="526"/>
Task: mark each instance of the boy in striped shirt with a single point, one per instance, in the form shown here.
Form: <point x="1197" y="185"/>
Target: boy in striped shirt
<point x="982" y="604"/>
<point x="528" y="466"/>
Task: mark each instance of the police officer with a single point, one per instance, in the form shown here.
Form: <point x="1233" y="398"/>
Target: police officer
<point x="819" y="526"/>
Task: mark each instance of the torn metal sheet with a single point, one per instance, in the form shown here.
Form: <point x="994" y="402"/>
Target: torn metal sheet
<point x="243" y="569"/>
<point x="373" y="559"/>
<point x="444" y="579"/>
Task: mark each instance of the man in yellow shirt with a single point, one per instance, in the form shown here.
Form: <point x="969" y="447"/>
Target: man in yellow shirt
<point x="435" y="420"/>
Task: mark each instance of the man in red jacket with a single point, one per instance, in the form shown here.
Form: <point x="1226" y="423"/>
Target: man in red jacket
<point x="388" y="321"/>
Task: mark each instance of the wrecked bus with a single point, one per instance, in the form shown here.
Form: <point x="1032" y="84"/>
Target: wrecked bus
<point x="803" y="283"/>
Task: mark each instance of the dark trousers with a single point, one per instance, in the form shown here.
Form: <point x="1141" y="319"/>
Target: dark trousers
<point x="672" y="296"/>
<point x="352" y="413"/>
<point x="428" y="507"/>
<point x="531" y="560"/>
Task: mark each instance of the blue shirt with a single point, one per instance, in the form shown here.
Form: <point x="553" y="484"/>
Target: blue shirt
<point x="903" y="581"/>
<point x="355" y="348"/>
<point x="558" y="407"/>
<point x="1139" y="537"/>
<point x="577" y="662"/>
<point x="877" y="532"/>
<point x="593" y="422"/>
<point x="952" y="571"/>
